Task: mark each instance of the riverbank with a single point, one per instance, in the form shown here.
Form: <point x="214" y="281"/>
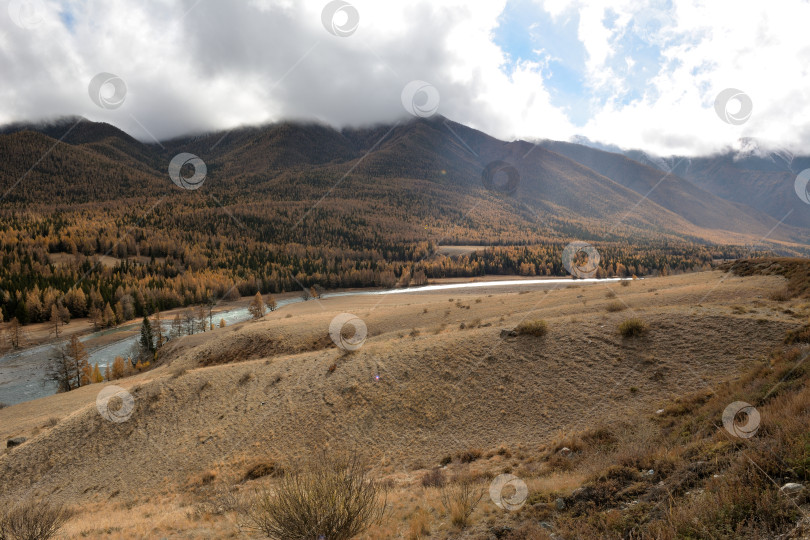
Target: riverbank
<point x="23" y="371"/>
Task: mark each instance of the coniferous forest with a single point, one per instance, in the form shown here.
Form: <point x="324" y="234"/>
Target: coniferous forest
<point x="97" y="229"/>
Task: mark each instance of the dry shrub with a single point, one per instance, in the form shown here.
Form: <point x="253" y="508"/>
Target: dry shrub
<point x="219" y="501"/>
<point x="632" y="327"/>
<point x="800" y="335"/>
<point x="179" y="372"/>
<point x="461" y="497"/>
<point x="468" y="456"/>
<point x="206" y="478"/>
<point x="419" y="526"/>
<point x="32" y="520"/>
<point x="433" y="478"/>
<point x="780" y="296"/>
<point x="262" y="469"/>
<point x="3" y="405"/>
<point x="613" y="307"/>
<point x="331" y="497"/>
<point x="745" y="505"/>
<point x="536" y="327"/>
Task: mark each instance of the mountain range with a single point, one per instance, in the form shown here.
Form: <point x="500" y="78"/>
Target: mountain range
<point x="428" y="174"/>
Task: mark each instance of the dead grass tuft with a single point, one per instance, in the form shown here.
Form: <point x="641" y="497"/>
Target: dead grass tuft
<point x="536" y="327"/>
<point x="632" y="327"/>
<point x="613" y="307"/>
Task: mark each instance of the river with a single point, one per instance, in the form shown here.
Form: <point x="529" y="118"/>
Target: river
<point x="22" y="373"/>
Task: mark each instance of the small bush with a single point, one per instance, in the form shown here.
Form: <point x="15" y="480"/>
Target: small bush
<point x="625" y="282"/>
<point x="446" y="460"/>
<point x="331" y="497"/>
<point x="262" y="469"/>
<point x="419" y="526"/>
<point x="613" y="307"/>
<point x="536" y="327"/>
<point x="632" y="327"/>
<point x="177" y="373"/>
<point x="461" y="498"/>
<point x="32" y="520"/>
<point x="3" y="405"/>
<point x="470" y="455"/>
<point x="433" y="478"/>
<point x="780" y="296"/>
<point x="801" y="335"/>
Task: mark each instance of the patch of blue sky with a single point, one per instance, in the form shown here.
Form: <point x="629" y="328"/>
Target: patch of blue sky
<point x="68" y="18"/>
<point x="527" y="33"/>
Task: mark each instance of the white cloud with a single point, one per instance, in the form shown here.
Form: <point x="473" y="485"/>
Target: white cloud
<point x="192" y="66"/>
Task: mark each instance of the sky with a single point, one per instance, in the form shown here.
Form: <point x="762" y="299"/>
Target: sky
<point x="688" y="77"/>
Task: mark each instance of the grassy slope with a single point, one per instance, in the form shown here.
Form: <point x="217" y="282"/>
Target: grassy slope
<point x="442" y="391"/>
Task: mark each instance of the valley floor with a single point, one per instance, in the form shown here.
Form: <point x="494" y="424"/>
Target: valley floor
<point x="437" y="378"/>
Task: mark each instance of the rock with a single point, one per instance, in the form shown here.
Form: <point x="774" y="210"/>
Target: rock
<point x="659" y="411"/>
<point x="16" y="441"/>
<point x="791" y="488"/>
<point x="651" y="472"/>
<point x="565" y="451"/>
<point x="577" y="492"/>
<point x="559" y="504"/>
<point x="508" y="333"/>
<point x="546" y="525"/>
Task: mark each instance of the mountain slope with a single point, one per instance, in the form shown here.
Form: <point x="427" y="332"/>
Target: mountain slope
<point x="758" y="178"/>
<point x="670" y="191"/>
<point x="431" y="168"/>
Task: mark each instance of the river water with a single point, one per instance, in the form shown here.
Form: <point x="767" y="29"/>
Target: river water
<point x="22" y="373"/>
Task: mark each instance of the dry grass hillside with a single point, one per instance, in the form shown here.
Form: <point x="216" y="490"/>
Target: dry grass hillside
<point x="437" y="383"/>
